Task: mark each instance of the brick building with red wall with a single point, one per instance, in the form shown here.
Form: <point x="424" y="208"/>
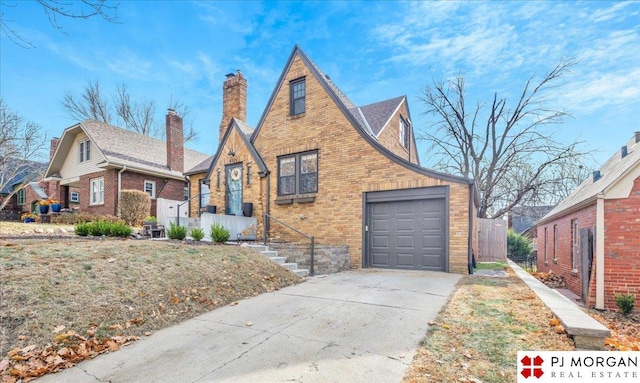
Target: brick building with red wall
<point x="592" y="237"/>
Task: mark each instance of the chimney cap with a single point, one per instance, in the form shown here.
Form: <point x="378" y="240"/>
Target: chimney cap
<point x="171" y="111"/>
<point x="230" y="75"/>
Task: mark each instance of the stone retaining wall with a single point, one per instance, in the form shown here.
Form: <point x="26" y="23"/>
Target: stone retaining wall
<point x="328" y="259"/>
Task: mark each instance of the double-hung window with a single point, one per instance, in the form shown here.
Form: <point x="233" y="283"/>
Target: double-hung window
<point x="21" y="197"/>
<point x="150" y="187"/>
<point x="298" y="173"/>
<point x="85" y="150"/>
<point x="74" y="197"/>
<point x="297" y="92"/>
<point x="204" y="194"/>
<point x="97" y="191"/>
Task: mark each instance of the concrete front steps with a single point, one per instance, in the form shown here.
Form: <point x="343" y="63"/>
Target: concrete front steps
<point x="282" y="261"/>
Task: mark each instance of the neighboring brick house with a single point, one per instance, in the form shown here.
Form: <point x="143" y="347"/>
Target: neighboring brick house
<point x="93" y="161"/>
<point x="24" y="188"/>
<point x="347" y="175"/>
<point x="592" y="237"/>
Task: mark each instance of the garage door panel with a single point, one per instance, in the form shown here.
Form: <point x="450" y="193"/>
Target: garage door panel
<point x="380" y="241"/>
<point x="405" y="260"/>
<point x="408" y="234"/>
<point x="405" y="241"/>
<point x="405" y="224"/>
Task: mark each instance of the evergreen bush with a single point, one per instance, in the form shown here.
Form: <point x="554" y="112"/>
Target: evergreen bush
<point x="219" y="233"/>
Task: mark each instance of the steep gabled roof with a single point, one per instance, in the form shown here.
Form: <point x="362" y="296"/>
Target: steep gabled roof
<point x="378" y="114"/>
<point x="120" y="147"/>
<point x="351" y="113"/>
<point x="245" y="133"/>
<point x="610" y="173"/>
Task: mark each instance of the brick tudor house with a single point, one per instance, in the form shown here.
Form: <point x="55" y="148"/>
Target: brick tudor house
<point x="349" y="176"/>
<point x="93" y="161"/>
<point x="592" y="237"/>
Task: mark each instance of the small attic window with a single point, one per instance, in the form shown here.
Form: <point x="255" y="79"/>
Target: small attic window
<point x="596" y="175"/>
<point x="297" y="92"/>
<point x="404" y="133"/>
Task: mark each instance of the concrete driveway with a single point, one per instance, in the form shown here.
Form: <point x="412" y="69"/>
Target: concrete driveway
<point x="355" y="326"/>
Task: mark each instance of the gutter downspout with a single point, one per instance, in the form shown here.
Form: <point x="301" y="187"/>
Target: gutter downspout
<point x="600" y="252"/>
<point x="124" y="168"/>
<point x="267" y="208"/>
<point x="470" y="241"/>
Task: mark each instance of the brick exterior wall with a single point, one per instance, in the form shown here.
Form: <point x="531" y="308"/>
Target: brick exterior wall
<point x="175" y="141"/>
<point x="622" y="247"/>
<point x="348" y="166"/>
<point x="563" y="263"/>
<point x="234" y="101"/>
<point x="621" y="254"/>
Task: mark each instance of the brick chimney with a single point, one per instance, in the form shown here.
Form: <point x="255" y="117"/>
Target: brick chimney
<point x="234" y="100"/>
<point x="175" y="141"/>
<point x="53" y="146"/>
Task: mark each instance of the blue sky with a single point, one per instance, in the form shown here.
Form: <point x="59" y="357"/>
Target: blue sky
<point x="372" y="50"/>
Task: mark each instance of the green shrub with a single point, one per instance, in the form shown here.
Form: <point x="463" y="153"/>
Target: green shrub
<point x="82" y="229"/>
<point x="100" y="228"/>
<point x="134" y="206"/>
<point x="518" y="245"/>
<point x="219" y="233"/>
<point x="176" y="231"/>
<point x="625" y="303"/>
<point x="197" y="234"/>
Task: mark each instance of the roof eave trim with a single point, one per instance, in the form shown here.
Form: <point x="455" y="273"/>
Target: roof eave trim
<point x="571" y="209"/>
<point x="135" y="169"/>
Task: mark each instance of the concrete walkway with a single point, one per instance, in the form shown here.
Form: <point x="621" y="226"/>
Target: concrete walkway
<point x="355" y="326"/>
<point x="587" y="333"/>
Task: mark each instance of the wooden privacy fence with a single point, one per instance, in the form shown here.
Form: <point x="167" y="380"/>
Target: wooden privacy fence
<point x="492" y="240"/>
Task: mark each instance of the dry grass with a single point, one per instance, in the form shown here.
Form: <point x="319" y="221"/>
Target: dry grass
<point x="477" y="335"/>
<point x="111" y="288"/>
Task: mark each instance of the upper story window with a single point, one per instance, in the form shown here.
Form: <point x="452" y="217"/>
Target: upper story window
<point x="150" y="187"/>
<point x="97" y="191"/>
<point x="298" y="173"/>
<point x="21" y="197"/>
<point x="404" y="133"/>
<point x="297" y="92"/>
<point x="85" y="150"/>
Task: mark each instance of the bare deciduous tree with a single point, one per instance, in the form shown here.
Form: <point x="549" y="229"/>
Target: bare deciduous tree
<point x="135" y="115"/>
<point x="56" y="9"/>
<point x="20" y="142"/>
<point x="510" y="155"/>
<point x="92" y="105"/>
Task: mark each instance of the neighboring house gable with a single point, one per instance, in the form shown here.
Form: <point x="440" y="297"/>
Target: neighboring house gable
<point x="591" y="237"/>
<point x="97" y="160"/>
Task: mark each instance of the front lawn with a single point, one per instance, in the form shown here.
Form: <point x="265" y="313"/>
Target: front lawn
<point x="67" y="299"/>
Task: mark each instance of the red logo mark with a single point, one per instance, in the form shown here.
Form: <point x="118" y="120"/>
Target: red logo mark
<point x="532" y="367"/>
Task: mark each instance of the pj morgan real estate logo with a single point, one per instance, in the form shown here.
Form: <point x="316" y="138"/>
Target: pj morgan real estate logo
<point x="578" y="366"/>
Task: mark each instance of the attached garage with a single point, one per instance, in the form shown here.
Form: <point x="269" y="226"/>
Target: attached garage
<point x="407" y="229"/>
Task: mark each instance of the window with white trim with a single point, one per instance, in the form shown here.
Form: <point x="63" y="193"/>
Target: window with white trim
<point x="150" y="187"/>
<point x="97" y="191"/>
<point x="21" y="197"/>
<point x="74" y="196"/>
<point x="85" y="150"/>
<point x="185" y="193"/>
